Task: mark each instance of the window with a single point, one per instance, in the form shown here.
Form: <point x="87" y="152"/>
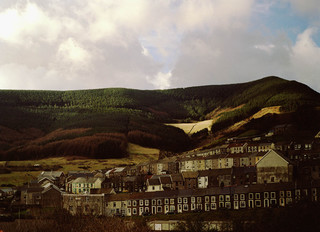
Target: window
<point x="213" y="206"/>
<point x="172" y="201"/>
<point x="250" y="195"/>
<point x="172" y="208"/>
<point x="258" y="203"/>
<point x="199" y="199"/>
<point x="159" y="209"/>
<point x="134" y="203"/>
<point x="221" y="198"/>
<point x="179" y="200"/>
<point x="141" y="202"/>
<point x="227" y="197"/>
<point x="242" y="197"/>
<point x="134" y="211"/>
<point x="236" y="197"/>
<point x="166" y="201"/>
<point x="185" y="200"/>
<point x="273" y="195"/>
<point x="159" y="202"/>
<point x="297" y="192"/>
<point x="257" y="195"/>
<point x="129" y="211"/>
<point x="213" y="198"/>
<point x="228" y="205"/>
<point x="146" y="202"/>
<point x="281" y="193"/>
<point x="242" y="204"/>
<point x="193" y="206"/>
<point x="314" y="191"/>
<point x="154" y="202"/>
<point x="206" y="199"/>
<point x="266" y="195"/>
<point x="288" y="193"/>
<point x="207" y="207"/>
<point x="236" y="204"/>
<point x="193" y="199"/>
<point x="185" y="207"/>
<point x="221" y="204"/>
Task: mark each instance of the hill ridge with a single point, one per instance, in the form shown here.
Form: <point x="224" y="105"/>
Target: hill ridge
<point x="125" y="115"/>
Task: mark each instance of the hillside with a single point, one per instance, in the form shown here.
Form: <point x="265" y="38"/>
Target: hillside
<point x="100" y="123"/>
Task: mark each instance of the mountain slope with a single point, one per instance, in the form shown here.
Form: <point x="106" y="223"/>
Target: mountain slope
<point x="100" y="123"/>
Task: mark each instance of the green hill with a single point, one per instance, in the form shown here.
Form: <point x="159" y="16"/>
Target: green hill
<point x="99" y="123"/>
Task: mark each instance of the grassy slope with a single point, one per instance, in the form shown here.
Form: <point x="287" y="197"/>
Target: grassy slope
<point x="127" y="115"/>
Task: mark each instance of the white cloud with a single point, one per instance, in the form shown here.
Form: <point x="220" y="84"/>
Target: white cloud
<point x="305" y="59"/>
<point x="27" y="24"/>
<point x="71" y="52"/>
<point x="106" y="43"/>
<point x="161" y="80"/>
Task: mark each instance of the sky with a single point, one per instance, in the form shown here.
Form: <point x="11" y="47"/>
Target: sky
<point x="156" y="44"/>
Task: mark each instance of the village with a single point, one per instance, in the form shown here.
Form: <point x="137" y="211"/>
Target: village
<point x="239" y="174"/>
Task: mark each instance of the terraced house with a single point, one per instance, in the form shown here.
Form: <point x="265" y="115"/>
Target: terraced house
<point x="83" y="184"/>
<point x="212" y="199"/>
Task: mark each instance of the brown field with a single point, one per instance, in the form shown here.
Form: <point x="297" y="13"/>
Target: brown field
<point x="137" y="155"/>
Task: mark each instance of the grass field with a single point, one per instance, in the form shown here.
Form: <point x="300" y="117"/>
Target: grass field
<point x="137" y="155"/>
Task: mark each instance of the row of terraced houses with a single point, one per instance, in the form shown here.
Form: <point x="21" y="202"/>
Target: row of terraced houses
<point x="237" y="175"/>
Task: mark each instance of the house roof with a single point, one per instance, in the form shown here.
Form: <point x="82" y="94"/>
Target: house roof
<point x="177" y="177"/>
<point x="237" y="145"/>
<point x="154" y="181"/>
<point x="55" y="174"/>
<point x="49" y="186"/>
<point x="102" y="190"/>
<point x="189" y="175"/>
<point x="6" y="189"/>
<point x="278" y="153"/>
<point x="165" y="180"/>
<point x="34" y="189"/>
<point x="244" y="170"/>
<point x="129" y="179"/>
<point x="203" y="192"/>
<point x="86" y="180"/>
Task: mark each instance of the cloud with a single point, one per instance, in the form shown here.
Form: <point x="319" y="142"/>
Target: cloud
<point x="27" y="24"/>
<point x="305" y="59"/>
<point x="149" y="44"/>
<point x="72" y="53"/>
<point x="309" y="8"/>
<point x="161" y="80"/>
